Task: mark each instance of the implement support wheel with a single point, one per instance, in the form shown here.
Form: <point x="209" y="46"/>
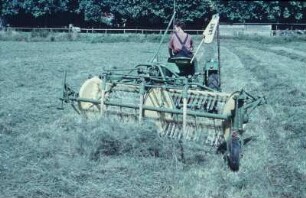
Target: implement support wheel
<point x="234" y="149"/>
<point x="231" y="138"/>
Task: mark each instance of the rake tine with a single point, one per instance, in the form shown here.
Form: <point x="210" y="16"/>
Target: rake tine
<point x="191" y="101"/>
<point x="166" y="127"/>
<point x="173" y="131"/>
<point x="196" y="100"/>
<point x="214" y="102"/>
<point x="177" y="99"/>
<point x="208" y="102"/>
<point x="189" y="127"/>
<point x="201" y="101"/>
<point x="169" y="131"/>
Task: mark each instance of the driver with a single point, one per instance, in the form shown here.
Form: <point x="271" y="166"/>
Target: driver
<point x="180" y="44"/>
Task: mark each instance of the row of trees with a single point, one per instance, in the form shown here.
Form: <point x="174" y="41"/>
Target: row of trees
<point x="148" y="13"/>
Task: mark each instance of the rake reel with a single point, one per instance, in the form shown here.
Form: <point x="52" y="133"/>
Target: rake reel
<point x="182" y="107"/>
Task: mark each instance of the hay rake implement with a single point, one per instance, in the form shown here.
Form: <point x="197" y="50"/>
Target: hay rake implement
<point x="184" y="104"/>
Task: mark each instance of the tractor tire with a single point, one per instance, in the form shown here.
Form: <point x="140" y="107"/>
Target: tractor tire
<point x="234" y="154"/>
<point x="213" y="81"/>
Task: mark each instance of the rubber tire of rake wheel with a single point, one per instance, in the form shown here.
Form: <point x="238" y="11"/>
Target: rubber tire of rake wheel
<point x="213" y="81"/>
<point x="234" y="154"/>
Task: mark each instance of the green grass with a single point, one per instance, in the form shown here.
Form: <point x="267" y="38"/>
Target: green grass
<point x="74" y="157"/>
<point x="47" y="36"/>
<point x="46" y="152"/>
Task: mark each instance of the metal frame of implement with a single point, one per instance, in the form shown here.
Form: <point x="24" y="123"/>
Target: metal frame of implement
<point x="244" y="102"/>
<point x="158" y="76"/>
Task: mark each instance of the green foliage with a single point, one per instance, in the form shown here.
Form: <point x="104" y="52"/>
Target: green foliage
<point x="46" y="36"/>
<point x="270" y="11"/>
<point x="152" y="12"/>
<point x="40" y="33"/>
<point x="35" y="8"/>
<point x="9" y="7"/>
<point x="92" y="9"/>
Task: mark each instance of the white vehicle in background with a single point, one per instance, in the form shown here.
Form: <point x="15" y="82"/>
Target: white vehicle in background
<point x="74" y="29"/>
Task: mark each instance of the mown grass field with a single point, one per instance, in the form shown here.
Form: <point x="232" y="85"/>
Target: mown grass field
<point x="50" y="153"/>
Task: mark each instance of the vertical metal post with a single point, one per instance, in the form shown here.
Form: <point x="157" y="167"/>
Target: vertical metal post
<point x="219" y="59"/>
<point x="174" y="10"/>
<point x="185" y="116"/>
<point x="196" y="52"/>
<point x="239" y="113"/>
<point x="103" y="88"/>
<point x="141" y="93"/>
<point x="64" y="96"/>
<point x="185" y="96"/>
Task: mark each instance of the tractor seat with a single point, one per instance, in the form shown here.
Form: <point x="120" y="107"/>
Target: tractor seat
<point x="184" y="65"/>
<point x="179" y="60"/>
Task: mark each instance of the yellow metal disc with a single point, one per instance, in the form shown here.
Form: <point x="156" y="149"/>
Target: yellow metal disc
<point x="90" y="90"/>
<point x="158" y="97"/>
